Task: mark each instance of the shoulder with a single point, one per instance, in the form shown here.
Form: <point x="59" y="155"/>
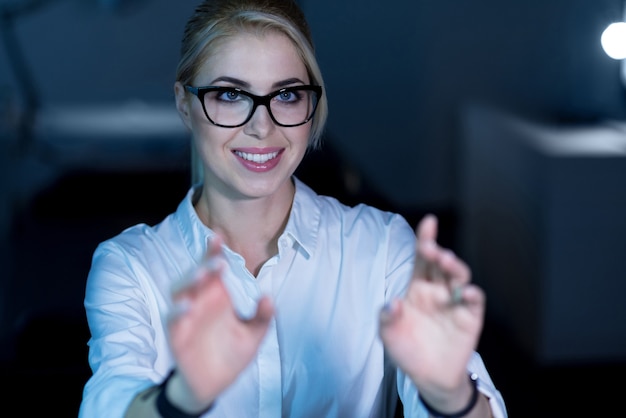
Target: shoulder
<point x="142" y="258"/>
<point x="330" y="212"/>
<point x="137" y="236"/>
<point x="142" y="239"/>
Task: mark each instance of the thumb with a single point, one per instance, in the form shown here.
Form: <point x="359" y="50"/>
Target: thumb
<point x="263" y="315"/>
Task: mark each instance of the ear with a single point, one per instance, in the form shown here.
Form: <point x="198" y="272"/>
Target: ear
<point x="183" y="105"/>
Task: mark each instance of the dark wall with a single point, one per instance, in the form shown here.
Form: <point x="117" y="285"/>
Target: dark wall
<point x="82" y="51"/>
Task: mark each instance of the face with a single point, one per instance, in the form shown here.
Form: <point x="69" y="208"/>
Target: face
<point x="256" y="159"/>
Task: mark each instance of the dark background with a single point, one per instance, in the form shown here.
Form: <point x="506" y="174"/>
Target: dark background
<point x="90" y="144"/>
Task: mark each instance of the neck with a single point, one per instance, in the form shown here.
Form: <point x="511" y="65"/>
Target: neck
<point x="250" y="227"/>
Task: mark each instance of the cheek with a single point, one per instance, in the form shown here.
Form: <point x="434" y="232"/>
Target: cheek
<point x="210" y="137"/>
<point x="206" y="137"/>
<point x="301" y="135"/>
<point x="299" y="144"/>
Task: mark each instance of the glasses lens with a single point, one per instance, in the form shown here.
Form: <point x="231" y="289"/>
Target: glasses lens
<point x="293" y="106"/>
<point x="227" y="107"/>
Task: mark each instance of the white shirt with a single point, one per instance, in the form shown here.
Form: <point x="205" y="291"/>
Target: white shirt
<point x="322" y="357"/>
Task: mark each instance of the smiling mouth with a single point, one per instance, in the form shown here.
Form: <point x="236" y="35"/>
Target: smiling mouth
<point x="257" y="158"/>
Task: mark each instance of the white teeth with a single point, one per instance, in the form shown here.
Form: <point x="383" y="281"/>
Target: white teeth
<point x="257" y="158"/>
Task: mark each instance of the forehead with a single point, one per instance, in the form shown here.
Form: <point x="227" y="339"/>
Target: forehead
<point x="257" y="59"/>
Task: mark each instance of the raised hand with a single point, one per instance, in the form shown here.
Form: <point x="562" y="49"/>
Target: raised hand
<point x="210" y="342"/>
<point x="432" y="332"/>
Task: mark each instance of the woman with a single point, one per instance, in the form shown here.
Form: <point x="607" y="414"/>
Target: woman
<point x="258" y="297"/>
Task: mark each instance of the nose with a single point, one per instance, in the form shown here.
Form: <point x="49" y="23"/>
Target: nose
<point x="260" y="124"/>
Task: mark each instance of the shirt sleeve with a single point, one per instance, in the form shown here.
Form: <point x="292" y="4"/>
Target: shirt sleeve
<point x="122" y="349"/>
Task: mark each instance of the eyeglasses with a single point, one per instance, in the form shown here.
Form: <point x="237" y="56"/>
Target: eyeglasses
<point x="231" y="107"/>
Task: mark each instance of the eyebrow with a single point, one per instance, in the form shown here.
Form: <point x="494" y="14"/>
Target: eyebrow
<point x="245" y="85"/>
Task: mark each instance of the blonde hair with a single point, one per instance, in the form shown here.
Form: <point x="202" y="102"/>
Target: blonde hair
<point x="215" y="21"/>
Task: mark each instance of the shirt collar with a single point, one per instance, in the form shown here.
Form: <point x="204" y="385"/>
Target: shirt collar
<point x="195" y="234"/>
<point x="302" y="225"/>
<point x="304" y="220"/>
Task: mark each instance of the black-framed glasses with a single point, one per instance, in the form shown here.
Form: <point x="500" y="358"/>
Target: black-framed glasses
<point x="231" y="107"/>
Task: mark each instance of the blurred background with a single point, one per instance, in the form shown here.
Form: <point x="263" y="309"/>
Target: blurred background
<point x="506" y="119"/>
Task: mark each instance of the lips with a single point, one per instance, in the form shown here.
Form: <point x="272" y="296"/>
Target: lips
<point x="259" y="161"/>
<point x="257" y="158"/>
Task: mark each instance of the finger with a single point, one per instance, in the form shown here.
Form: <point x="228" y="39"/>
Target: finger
<point x="208" y="289"/>
<point x="468" y="295"/>
<point x="215" y="246"/>
<point x="455" y="270"/>
<point x="428" y="262"/>
<point x="390" y="312"/>
<point x="210" y="268"/>
<point x="180" y="308"/>
<point x="426" y="248"/>
<point x="264" y="313"/>
<point x="426" y="253"/>
<point x="260" y="322"/>
<point x="473" y="295"/>
<point x="427" y="228"/>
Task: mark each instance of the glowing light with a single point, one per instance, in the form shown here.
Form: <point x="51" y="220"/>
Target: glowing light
<point x="614" y="40"/>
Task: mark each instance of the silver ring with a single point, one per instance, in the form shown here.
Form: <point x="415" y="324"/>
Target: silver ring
<point x="457" y="295"/>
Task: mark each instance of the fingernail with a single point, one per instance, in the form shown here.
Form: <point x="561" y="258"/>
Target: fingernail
<point x="386" y="312"/>
<point x="180" y="307"/>
<point x="210" y="265"/>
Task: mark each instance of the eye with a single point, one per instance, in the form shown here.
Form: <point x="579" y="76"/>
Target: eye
<point x="229" y="95"/>
<point x="288" y="96"/>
